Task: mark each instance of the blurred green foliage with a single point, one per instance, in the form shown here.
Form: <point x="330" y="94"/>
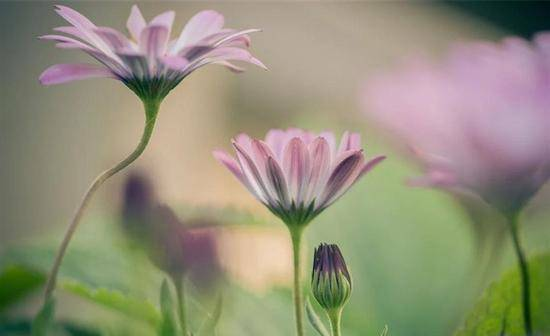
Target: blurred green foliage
<point x="499" y="310"/>
<point x="409" y="251"/>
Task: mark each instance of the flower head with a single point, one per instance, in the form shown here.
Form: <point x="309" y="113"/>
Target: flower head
<point x="477" y="122"/>
<point x="148" y="62"/>
<point x="175" y="246"/>
<point x="295" y="173"/>
<point x="330" y="279"/>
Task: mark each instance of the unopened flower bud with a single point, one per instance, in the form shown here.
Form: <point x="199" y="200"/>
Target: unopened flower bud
<point x="330" y="280"/>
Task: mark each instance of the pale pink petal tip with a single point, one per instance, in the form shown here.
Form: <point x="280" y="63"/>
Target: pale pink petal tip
<point x="63" y="73"/>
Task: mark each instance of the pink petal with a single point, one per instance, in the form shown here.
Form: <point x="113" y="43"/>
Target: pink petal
<point x="371" y="164"/>
<point x="276" y="140"/>
<point x="63" y="73"/>
<point x="231" y="164"/>
<point x="165" y="19"/>
<point x="331" y="140"/>
<point x="232" y="67"/>
<point x="237" y="35"/>
<point x="175" y="62"/>
<point x="244" y="141"/>
<point x="136" y="23"/>
<point x="319" y="150"/>
<point x="115" y="39"/>
<point x="86" y="28"/>
<point x="227" y="54"/>
<point x="276" y="181"/>
<point x="75" y="18"/>
<point x="350" y="141"/>
<point x="71" y="30"/>
<point x="153" y="42"/>
<point x="296" y="167"/>
<point x="260" y="154"/>
<point x="199" y="26"/>
<point x="343" y="176"/>
<point x="60" y="38"/>
<point x="252" y="174"/>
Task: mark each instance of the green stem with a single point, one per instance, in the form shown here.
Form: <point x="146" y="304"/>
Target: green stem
<point x="296" y="236"/>
<point x="180" y="293"/>
<point x="151" y="109"/>
<point x="524" y="274"/>
<point x="335" y="317"/>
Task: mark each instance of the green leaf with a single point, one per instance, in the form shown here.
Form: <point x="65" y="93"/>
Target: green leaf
<point x="15" y="283"/>
<point x="209" y="325"/>
<point x="315" y="321"/>
<point x="384" y="331"/>
<point x="138" y="309"/>
<point x="44" y="319"/>
<point x="168" y="324"/>
<point x="499" y="311"/>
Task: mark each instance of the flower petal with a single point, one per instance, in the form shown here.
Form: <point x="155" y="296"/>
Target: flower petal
<point x="136" y="23"/>
<point x="226" y="54"/>
<point x="370" y="165"/>
<point x="276" y="139"/>
<point x="231" y="164"/>
<point x="232" y="67"/>
<point x="165" y="19"/>
<point x="319" y="150"/>
<point x="296" y="167"/>
<point x="342" y="177"/>
<point x="71" y="30"/>
<point x="153" y="42"/>
<point x="86" y="28"/>
<point x="350" y="141"/>
<point x="175" y="62"/>
<point x="237" y="35"/>
<point x="277" y="181"/>
<point x="252" y="174"/>
<point x="115" y="39"/>
<point x="199" y="26"/>
<point x="63" y="73"/>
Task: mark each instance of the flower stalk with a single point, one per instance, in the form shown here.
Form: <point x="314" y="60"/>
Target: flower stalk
<point x="296" y="234"/>
<point x="524" y="274"/>
<point x="151" y="110"/>
<point x="334" y="316"/>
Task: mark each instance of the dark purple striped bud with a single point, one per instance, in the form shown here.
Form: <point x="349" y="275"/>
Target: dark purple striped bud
<point x="330" y="280"/>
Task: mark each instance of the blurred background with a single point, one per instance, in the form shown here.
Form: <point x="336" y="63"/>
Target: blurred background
<point x="412" y="251"/>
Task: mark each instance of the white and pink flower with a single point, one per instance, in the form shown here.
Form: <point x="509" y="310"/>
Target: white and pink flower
<point x="148" y="62"/>
<point x="297" y="174"/>
<point x="477" y="122"/>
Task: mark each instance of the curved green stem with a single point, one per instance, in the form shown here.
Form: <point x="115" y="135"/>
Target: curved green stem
<point x="151" y="109"/>
<point x="524" y="274"/>
<point x="335" y="316"/>
<point x="180" y="293"/>
<point x="296" y="236"/>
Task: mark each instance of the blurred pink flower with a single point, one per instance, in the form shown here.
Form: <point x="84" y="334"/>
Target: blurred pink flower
<point x="178" y="247"/>
<point x="148" y="62"/>
<point x="478" y="122"/>
<point x="295" y="173"/>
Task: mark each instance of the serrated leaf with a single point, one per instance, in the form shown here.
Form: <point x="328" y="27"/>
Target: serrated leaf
<point x="208" y="327"/>
<point x="15" y="283"/>
<point x="168" y="324"/>
<point x="138" y="309"/>
<point x="499" y="312"/>
<point x="315" y="320"/>
<point x="44" y="319"/>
